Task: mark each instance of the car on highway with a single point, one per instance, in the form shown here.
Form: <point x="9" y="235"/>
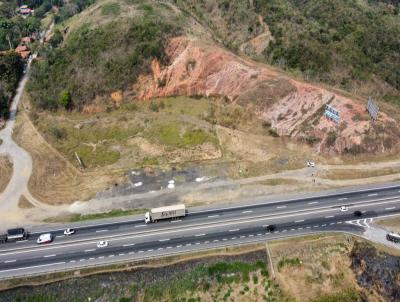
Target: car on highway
<point x="271" y="228"/>
<point x="357" y="213"/>
<point x="344" y="209"/>
<point x="102" y="244"/>
<point x="45" y="238"/>
<point x="69" y="231"/>
<point x="394" y="237"/>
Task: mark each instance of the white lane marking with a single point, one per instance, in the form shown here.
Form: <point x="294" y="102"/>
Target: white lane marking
<point x="150" y="250"/>
<point x="301" y="199"/>
<point x="160" y="248"/>
<point x="234" y="230"/>
<point x="128" y="244"/>
<point x="82" y="260"/>
<point x="30" y="267"/>
<point x="169" y="247"/>
<point x="213" y="216"/>
<point x="110" y="256"/>
<point x="199" y="235"/>
<point x="332" y="223"/>
<point x="323" y="225"/>
<point x="91" y="258"/>
<point x="59" y="236"/>
<point x="179" y="245"/>
<point x="343" y="198"/>
<point x="91" y="250"/>
<point x="313" y="202"/>
<point x="242" y="236"/>
<point x="259" y="234"/>
<point x="391" y="208"/>
<point x="162" y="240"/>
<point x="224" y="239"/>
<point x="121" y="254"/>
<point x="293" y="229"/>
<point x="283" y="231"/>
<point x="140" y="226"/>
<point x="101" y="257"/>
<point x="131" y="253"/>
<point x="173" y="221"/>
<point x="216" y="240"/>
<point x="299" y="228"/>
<point x="235" y="222"/>
<point x="233" y="238"/>
<point x="251" y="235"/>
<point x="48" y="256"/>
<point x="315" y="226"/>
<point x="197" y="243"/>
<point x="188" y="244"/>
<point x="20" y="241"/>
<point x="297" y="221"/>
<point x="329" y="216"/>
<point x="366" y="224"/>
<point x="141" y="252"/>
<point x="101" y="231"/>
<point x="358" y="222"/>
<point x="281" y="207"/>
<point x="246" y="212"/>
<point x="308" y="227"/>
<point x="73" y="261"/>
<point x="374" y="194"/>
<point x="9" y="261"/>
<point x="206" y="241"/>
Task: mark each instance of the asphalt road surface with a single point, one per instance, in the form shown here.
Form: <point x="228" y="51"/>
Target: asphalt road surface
<point x="201" y="230"/>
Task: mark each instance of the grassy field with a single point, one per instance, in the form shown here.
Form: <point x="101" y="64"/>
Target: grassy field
<point x="340" y="174"/>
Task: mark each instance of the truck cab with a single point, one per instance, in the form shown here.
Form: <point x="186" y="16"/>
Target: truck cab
<point x="147" y="218"/>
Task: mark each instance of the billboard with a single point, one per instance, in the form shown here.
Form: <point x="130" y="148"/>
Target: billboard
<point x="332" y="114"/>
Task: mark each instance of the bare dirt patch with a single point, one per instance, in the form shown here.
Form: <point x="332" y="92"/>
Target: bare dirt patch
<point x="24" y="203"/>
<point x="6" y="170"/>
<point x="392" y="224"/>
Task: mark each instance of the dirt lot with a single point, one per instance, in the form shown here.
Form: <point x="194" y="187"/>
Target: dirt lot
<point x="6" y="169"/>
<point x="392" y="224"/>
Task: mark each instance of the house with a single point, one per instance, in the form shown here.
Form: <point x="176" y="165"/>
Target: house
<point x="25" y="11"/>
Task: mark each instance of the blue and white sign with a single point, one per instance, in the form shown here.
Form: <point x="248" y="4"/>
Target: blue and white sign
<point x="332" y="114"/>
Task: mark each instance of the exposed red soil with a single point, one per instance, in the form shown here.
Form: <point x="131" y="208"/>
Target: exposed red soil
<point x="292" y="107"/>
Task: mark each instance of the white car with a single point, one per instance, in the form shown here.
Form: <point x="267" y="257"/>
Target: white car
<point x="102" y="243"/>
<point x="68" y="232"/>
<point x="45" y="238"/>
<point x="344" y="209"/>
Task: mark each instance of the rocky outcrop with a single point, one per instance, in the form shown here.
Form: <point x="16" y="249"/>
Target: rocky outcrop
<point x="291" y="107"/>
<point x="376" y="272"/>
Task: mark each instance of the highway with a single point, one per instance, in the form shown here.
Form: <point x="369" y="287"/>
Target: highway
<point x="132" y="239"/>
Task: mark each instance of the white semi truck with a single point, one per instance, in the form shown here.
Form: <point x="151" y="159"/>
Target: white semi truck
<point x="169" y="212"/>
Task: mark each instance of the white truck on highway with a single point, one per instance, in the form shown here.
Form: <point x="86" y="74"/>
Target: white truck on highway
<point x="170" y="212"/>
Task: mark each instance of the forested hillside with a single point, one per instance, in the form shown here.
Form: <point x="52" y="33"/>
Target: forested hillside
<point x="353" y="45"/>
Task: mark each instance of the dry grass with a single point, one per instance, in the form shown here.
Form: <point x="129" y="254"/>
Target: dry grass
<point x="6" y="169"/>
<point x="322" y="265"/>
<point x="54" y="180"/>
<point x="392" y="224"/>
<point x="340" y="174"/>
<point x="24" y="203"/>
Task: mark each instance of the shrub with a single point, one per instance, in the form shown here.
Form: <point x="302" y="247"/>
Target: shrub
<point x="64" y="99"/>
<point x="331" y="138"/>
<point x="273" y="132"/>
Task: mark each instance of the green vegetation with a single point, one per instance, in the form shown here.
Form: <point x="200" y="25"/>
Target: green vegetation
<point x="288" y="262"/>
<point x="95" y="62"/>
<point x="350" y="295"/>
<point x="318" y="37"/>
<point x="11" y="67"/>
<point x="71" y="8"/>
<point x="113" y="9"/>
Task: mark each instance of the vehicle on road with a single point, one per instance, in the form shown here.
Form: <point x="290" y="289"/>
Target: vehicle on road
<point x="102" y="243"/>
<point x="16" y="234"/>
<point x="344" y="209"/>
<point x="170" y="212"/>
<point x="69" y="231"/>
<point x="45" y="238"/>
<point x="357" y="213"/>
<point x="393" y="237"/>
<point x="271" y="227"/>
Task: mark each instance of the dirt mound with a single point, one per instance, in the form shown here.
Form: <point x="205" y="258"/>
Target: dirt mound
<point x="289" y="107"/>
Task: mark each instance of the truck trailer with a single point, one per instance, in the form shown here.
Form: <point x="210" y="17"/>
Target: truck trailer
<point x="170" y="212"/>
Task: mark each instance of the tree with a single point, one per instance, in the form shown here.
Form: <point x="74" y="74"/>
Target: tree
<point x="65" y="99"/>
<point x="4" y="110"/>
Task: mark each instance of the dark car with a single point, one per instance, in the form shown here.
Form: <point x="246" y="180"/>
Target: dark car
<point x="271" y="228"/>
<point x="358" y="213"/>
